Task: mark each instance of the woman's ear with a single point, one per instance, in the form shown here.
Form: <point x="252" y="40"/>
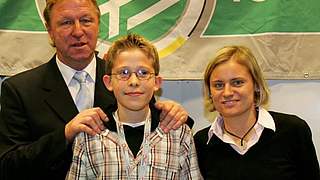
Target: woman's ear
<point x="257" y="95"/>
<point x="107" y="82"/>
<point x="256" y="88"/>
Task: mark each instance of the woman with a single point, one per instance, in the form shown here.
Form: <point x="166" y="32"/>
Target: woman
<point x="246" y="141"/>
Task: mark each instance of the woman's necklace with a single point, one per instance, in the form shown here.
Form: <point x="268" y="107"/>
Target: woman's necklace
<point x="241" y="138"/>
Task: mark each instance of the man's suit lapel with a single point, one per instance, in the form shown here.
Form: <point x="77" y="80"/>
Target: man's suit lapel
<point x="58" y="95"/>
<point x="103" y="98"/>
<point x="59" y="98"/>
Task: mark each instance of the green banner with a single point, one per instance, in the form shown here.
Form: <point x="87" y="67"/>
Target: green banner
<point x="282" y="33"/>
<point x="23" y="15"/>
<point x="148" y="28"/>
<point x="20" y="15"/>
<point x="252" y="17"/>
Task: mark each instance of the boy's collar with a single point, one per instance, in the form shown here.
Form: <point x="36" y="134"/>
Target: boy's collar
<point x="155" y="118"/>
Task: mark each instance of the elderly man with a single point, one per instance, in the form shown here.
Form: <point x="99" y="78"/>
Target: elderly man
<point x="43" y="109"/>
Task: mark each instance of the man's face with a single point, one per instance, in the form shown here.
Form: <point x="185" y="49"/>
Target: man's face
<point x="74" y="29"/>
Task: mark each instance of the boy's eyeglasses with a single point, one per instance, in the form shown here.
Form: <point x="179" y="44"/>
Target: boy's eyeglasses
<point x="125" y="74"/>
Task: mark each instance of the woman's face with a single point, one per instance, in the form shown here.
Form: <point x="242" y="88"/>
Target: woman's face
<point x="232" y="89"/>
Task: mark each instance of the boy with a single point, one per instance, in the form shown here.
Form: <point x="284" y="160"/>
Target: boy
<point x="133" y="146"/>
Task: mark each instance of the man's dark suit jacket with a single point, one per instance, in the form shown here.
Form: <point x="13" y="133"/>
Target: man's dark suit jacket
<point x="35" y="107"/>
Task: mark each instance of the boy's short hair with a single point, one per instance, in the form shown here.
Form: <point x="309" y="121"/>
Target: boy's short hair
<point x="132" y="41"/>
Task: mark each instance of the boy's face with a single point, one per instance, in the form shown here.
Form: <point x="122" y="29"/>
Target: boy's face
<point x="134" y="93"/>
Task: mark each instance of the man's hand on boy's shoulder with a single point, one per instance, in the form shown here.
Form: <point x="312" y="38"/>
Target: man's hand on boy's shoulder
<point x="172" y="116"/>
<point x="89" y="121"/>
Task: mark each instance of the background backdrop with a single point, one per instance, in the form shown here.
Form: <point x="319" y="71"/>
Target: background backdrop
<point x="284" y="35"/>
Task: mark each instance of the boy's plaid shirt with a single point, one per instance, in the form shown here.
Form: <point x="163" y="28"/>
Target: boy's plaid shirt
<point x="172" y="156"/>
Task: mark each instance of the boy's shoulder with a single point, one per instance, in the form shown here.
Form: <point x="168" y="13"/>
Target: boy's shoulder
<point x="181" y="133"/>
<point x="85" y="139"/>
